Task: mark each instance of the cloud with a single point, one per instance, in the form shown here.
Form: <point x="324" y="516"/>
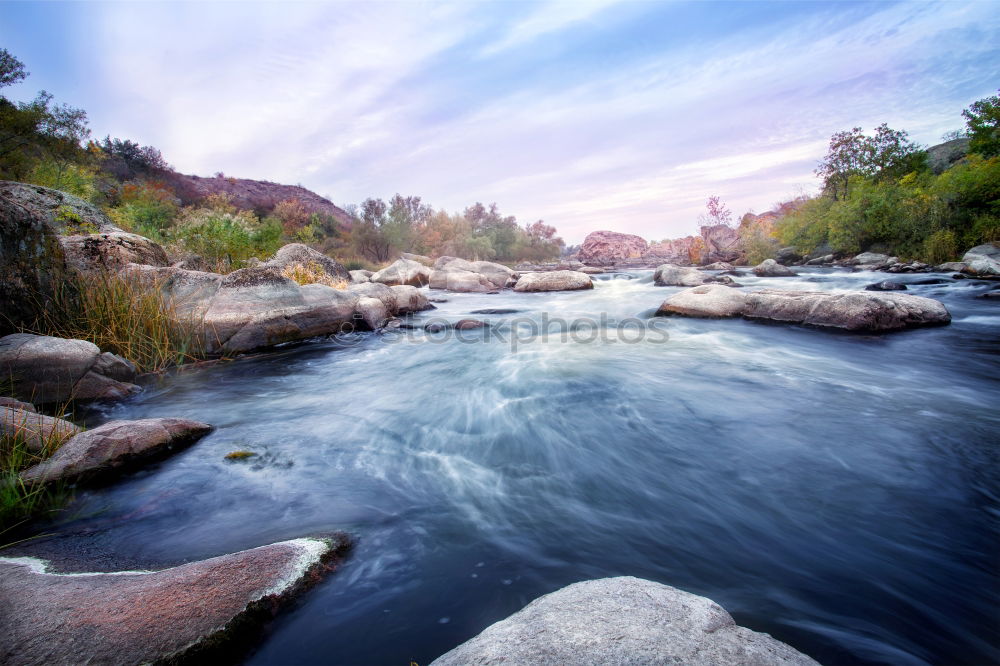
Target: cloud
<point x="589" y="115"/>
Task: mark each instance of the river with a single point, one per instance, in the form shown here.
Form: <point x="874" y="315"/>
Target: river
<point x="838" y="491"/>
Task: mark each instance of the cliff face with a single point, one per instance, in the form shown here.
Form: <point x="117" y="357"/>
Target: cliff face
<point x="256" y="194"/>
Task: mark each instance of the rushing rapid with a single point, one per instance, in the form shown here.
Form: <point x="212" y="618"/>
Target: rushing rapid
<point x="838" y="491"/>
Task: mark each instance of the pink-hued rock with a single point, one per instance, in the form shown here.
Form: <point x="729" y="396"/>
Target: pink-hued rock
<point x="678" y="251"/>
<point x="111" y="251"/>
<point x="39" y="432"/>
<point x="115" y="446"/>
<point x="197" y="611"/>
<point x="722" y="243"/>
<point x="610" y="247"/>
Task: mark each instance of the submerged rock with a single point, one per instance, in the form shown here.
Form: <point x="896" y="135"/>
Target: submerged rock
<point x="771" y="268"/>
<point x="202" y="611"/>
<point x="39" y="432"/>
<point x="554" y="281"/>
<point x="886" y="285"/>
<point x="852" y="311"/>
<point x="621" y="620"/>
<point x="115" y="447"/>
<point x="45" y="369"/>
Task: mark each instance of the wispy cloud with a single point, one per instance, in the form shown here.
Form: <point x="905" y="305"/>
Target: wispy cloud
<point x="590" y="115"/>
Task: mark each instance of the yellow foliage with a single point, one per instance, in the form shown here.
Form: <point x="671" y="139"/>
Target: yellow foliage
<point x="312" y="273"/>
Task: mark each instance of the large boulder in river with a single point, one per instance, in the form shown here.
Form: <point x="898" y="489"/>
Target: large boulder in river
<point x="771" y="268"/>
<point x="198" y="612"/>
<point x="852" y="311"/>
<point x="115" y="447"/>
<point x="456" y="274"/>
<point x="622" y="620"/>
<point x="602" y="248"/>
<point x="43" y="370"/>
<point x="410" y="299"/>
<point x="403" y="271"/>
<point x="669" y="275"/>
<point x="554" y="281"/>
<point x="38" y="432"/>
<point x="983" y="259"/>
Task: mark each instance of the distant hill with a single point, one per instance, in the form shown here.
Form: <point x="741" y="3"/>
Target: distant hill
<point x="259" y="195"/>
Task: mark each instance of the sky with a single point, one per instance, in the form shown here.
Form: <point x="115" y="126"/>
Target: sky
<point x="591" y="114"/>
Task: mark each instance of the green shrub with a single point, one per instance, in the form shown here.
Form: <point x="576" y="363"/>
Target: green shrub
<point x="66" y="176"/>
<point x="941" y="246"/>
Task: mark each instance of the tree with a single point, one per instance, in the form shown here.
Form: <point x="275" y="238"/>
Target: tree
<point x="717" y="213"/>
<point x="125" y="159"/>
<point x="889" y="154"/>
<point x="11" y="69"/>
<point x="983" y="120"/>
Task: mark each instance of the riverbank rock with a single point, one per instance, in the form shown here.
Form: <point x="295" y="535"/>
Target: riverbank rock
<point x="622" y="620"/>
<point x="554" y="281"/>
<point x="44" y="370"/>
<point x="603" y="248"/>
<point x="115" y="447"/>
<point x="410" y="299"/>
<point x="983" y="259"/>
<point x="297" y="254"/>
<point x="771" y="268"/>
<point x="39" y="432"/>
<point x="202" y="611"/>
<point x="373" y="312"/>
<point x="419" y="258"/>
<point x="111" y="251"/>
<point x="852" y="311"/>
<point x="952" y="267"/>
<point x="403" y="272"/>
<point x="787" y="256"/>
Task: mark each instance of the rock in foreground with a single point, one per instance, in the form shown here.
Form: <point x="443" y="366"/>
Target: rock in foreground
<point x="191" y="612"/>
<point x="622" y="620"/>
<point x="554" y="281"/>
<point x="852" y="311"/>
<point x="44" y="369"/>
<point x="39" y="432"/>
<point x="115" y="447"/>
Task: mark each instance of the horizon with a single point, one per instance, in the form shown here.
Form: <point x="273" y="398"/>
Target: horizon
<point x="602" y="115"/>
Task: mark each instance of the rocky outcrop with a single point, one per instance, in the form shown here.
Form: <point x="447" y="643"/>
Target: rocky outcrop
<point x="771" y="268"/>
<point x="622" y="620"/>
<point x="554" y="281"/>
<point x="38" y="432"/>
<point x="681" y="251"/>
<point x="115" y="447"/>
<point x="983" y="259"/>
<point x="111" y="251"/>
<point x="456" y="274"/>
<point x="405" y="272"/>
<point x="722" y="243"/>
<point x="196" y="612"/>
<point x="851" y="311"/>
<point x="297" y="254"/>
<point x="44" y="370"/>
<point x="944" y="155"/>
<point x="604" y="248"/>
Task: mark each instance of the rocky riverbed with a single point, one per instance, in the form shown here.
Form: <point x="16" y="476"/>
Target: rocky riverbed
<point x="829" y="488"/>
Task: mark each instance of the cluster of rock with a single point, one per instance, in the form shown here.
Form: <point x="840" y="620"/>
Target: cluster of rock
<point x="980" y="261"/>
<point x="622" y="620"/>
<point x="851" y="311"/>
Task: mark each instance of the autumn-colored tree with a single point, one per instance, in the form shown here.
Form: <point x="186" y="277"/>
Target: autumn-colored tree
<point x="716" y="213"/>
<point x="293" y="215"/>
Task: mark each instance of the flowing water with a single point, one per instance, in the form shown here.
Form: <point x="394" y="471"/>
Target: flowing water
<point x="837" y="491"/>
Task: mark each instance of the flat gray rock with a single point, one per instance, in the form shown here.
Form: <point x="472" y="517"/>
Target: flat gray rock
<point x="622" y="620"/>
<point x="189" y="612"/>
<point x="554" y="281"/>
<point x="114" y="447"/>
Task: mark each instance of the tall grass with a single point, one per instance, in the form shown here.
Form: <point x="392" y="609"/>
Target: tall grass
<point x="20" y="502"/>
<point x="123" y="315"/>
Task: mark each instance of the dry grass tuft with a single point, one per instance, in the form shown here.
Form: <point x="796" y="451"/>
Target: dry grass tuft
<point x="312" y="273"/>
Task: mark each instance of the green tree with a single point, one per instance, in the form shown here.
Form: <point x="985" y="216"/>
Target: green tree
<point x="983" y="121"/>
<point x="11" y="69"/>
